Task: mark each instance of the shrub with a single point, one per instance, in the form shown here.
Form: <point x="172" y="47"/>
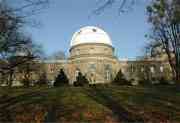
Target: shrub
<point x="61" y="79"/>
<point x="163" y="81"/>
<point x="120" y="79"/>
<point x="25" y="82"/>
<point x="145" y="82"/>
<point x="81" y="80"/>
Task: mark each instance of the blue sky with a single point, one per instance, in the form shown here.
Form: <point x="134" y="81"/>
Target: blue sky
<point x="64" y="17"/>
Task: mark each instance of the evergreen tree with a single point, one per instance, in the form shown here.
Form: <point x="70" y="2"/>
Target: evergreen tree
<point x="61" y="79"/>
<point x="120" y="79"/>
<point x="81" y="80"/>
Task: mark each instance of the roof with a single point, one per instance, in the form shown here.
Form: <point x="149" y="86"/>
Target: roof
<point x="90" y="34"/>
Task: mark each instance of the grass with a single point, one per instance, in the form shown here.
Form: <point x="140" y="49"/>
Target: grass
<point x="102" y="103"/>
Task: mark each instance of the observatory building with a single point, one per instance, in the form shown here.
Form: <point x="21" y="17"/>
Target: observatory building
<point x="92" y="53"/>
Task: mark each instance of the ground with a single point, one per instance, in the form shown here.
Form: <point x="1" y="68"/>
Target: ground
<point x="102" y="103"/>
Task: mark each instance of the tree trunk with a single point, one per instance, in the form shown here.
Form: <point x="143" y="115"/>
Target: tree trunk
<point x="27" y="83"/>
<point x="10" y="80"/>
<point x="177" y="75"/>
<point x="171" y="63"/>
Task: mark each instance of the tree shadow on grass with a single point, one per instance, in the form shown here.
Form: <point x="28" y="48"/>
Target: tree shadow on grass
<point x="28" y="97"/>
<point x="7" y="103"/>
<point x="108" y="101"/>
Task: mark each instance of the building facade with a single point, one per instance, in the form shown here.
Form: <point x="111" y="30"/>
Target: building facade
<point x="91" y="52"/>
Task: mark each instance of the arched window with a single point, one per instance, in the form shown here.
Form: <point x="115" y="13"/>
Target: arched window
<point x="51" y="68"/>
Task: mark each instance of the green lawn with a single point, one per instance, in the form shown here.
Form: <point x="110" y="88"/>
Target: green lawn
<point x="107" y="103"/>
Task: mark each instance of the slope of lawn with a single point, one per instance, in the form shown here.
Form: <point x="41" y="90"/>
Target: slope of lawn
<point x="102" y="103"/>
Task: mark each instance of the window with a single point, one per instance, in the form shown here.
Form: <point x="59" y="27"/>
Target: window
<point x="108" y="76"/>
<point x="77" y="51"/>
<point x="152" y="69"/>
<point x="122" y="70"/>
<point x="132" y="68"/>
<point x="107" y="67"/>
<point x="91" y="50"/>
<point x="108" y="72"/>
<point x="78" y="61"/>
<point x="105" y="49"/>
<point x="161" y="69"/>
<point x="51" y="68"/>
<point x="142" y="69"/>
<point x="77" y="72"/>
<point x="92" y="67"/>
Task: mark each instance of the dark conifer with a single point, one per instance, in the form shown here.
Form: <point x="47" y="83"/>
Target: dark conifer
<point x="81" y="80"/>
<point x="61" y="79"/>
<point x="120" y="79"/>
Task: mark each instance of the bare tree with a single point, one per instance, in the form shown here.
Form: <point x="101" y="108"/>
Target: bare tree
<point x="15" y="47"/>
<point x="17" y="57"/>
<point x="59" y="55"/>
<point x="165" y="19"/>
<point x="29" y="70"/>
<point x="154" y="49"/>
<point x="27" y="7"/>
<point x="123" y="5"/>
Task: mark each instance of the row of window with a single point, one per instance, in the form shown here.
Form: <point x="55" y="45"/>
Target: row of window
<point x="152" y="69"/>
<point x="92" y="67"/>
<point x="90" y="50"/>
<point x="92" y="77"/>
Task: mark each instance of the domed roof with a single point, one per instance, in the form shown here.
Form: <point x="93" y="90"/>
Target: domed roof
<point x="90" y="34"/>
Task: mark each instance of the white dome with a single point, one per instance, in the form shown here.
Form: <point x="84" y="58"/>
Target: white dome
<point x="90" y="34"/>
